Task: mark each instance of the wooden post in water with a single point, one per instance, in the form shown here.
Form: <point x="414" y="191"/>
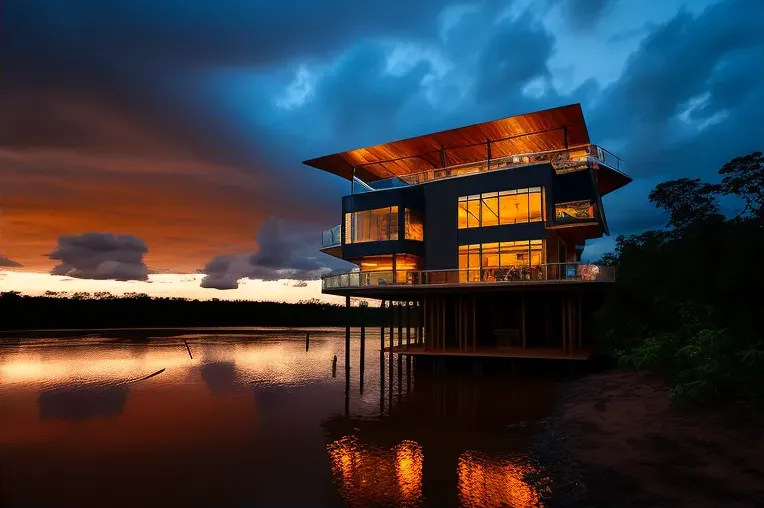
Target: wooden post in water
<point x="307" y="341"/>
<point x="580" y="323"/>
<point x="400" y="324"/>
<point x="392" y="324"/>
<point x="347" y="333"/>
<point x="363" y="343"/>
<point x="408" y="324"/>
<point x="420" y="332"/>
<point x="523" y="320"/>
<point x="383" y="308"/>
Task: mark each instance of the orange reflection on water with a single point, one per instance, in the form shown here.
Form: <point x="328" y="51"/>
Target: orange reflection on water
<point x="486" y="481"/>
<point x="370" y="475"/>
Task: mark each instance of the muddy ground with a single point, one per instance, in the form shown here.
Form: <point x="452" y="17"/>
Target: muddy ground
<point x="618" y="441"/>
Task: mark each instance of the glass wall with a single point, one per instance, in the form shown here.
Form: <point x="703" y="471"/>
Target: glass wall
<point x="500" y="261"/>
<point x="414" y="225"/>
<point x="384" y="269"/>
<point x="500" y="208"/>
<point x="372" y="225"/>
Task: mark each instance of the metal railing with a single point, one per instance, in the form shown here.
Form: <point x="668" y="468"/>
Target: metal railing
<point x="581" y="272"/>
<point x="564" y="161"/>
<point x="331" y="237"/>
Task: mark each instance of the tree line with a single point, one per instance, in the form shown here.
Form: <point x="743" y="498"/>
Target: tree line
<point x="687" y="301"/>
<point x="137" y="310"/>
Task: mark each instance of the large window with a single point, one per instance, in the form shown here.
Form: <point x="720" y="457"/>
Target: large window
<point x="414" y="225"/>
<point x="372" y="225"/>
<point x="574" y="210"/>
<point x="499" y="208"/>
<point x="500" y="261"/>
<point x="389" y="267"/>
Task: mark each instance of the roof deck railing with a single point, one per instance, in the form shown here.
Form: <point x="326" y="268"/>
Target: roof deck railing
<point x="550" y="272"/>
<point x="568" y="160"/>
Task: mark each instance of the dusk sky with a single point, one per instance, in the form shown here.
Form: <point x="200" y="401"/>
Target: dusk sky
<point x="157" y="141"/>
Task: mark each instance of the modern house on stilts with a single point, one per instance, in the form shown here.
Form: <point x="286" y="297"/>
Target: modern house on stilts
<point x="482" y="229"/>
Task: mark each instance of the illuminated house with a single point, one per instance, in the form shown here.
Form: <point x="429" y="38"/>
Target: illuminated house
<point x="482" y="227"/>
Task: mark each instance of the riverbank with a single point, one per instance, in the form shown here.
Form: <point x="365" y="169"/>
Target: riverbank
<point x="616" y="440"/>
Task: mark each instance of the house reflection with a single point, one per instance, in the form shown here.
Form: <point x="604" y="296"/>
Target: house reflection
<point x="220" y="377"/>
<point x="371" y="475"/>
<point x="492" y="481"/>
<point x="447" y="443"/>
<point x="82" y="402"/>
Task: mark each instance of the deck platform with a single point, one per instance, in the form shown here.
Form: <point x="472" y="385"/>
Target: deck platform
<point x="496" y="352"/>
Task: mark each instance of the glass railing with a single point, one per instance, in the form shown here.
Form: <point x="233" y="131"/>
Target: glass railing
<point x="331" y="237"/>
<point x="560" y="272"/>
<point x="564" y="161"/>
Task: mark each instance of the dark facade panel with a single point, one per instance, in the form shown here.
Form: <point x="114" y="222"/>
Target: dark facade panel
<point x="402" y="197"/>
<point x="507" y="233"/>
<point x="363" y="249"/>
<point x="575" y="186"/>
<point x="441" y="233"/>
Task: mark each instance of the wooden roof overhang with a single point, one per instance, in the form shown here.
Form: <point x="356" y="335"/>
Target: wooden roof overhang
<point x="541" y="131"/>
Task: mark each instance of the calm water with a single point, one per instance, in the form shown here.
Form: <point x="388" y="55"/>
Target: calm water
<point x="255" y="420"/>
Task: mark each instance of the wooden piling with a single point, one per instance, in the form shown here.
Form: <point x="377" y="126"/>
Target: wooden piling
<point x="347" y="333"/>
<point x="363" y="344"/>
<point x="408" y="323"/>
<point x="307" y="341"/>
<point x="399" y="313"/>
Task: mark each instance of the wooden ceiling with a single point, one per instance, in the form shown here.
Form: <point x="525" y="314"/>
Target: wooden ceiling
<point x="532" y="132"/>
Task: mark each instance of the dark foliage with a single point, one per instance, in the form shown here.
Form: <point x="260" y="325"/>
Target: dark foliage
<point x="103" y="310"/>
<point x="688" y="299"/>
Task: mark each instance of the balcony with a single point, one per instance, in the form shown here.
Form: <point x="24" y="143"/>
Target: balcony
<point x="547" y="273"/>
<point x="564" y="161"/>
<point x="331" y="237"/>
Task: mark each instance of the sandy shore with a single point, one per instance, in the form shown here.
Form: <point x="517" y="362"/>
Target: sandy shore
<point x="616" y="440"/>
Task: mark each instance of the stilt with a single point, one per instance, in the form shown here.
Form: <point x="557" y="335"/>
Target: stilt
<point x="580" y="324"/>
<point x="363" y="345"/>
<point x="392" y="318"/>
<point x="400" y="324"/>
<point x="420" y="328"/>
<point x="523" y="320"/>
<point x="562" y="327"/>
<point x="383" y="308"/>
<point x="443" y="324"/>
<point x="474" y="325"/>
<point x="307" y="341"/>
<point x="347" y="333"/>
<point x="408" y="324"/>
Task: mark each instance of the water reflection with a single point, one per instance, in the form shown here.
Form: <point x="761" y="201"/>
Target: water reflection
<point x="370" y="475"/>
<point x="255" y="420"/>
<point x="81" y="402"/>
<point x="484" y="481"/>
<point x="220" y="377"/>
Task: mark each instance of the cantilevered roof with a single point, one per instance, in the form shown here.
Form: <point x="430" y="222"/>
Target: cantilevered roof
<point x="529" y="133"/>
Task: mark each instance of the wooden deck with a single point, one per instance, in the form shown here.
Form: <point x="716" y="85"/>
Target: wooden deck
<point x="496" y="352"/>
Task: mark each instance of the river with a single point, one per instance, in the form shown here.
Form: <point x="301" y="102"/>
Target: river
<point x="248" y="417"/>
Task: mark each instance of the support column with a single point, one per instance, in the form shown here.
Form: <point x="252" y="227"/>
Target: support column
<point x="347" y="333"/>
<point x="400" y="324"/>
<point x="420" y="331"/>
<point x="563" y="327"/>
<point x="474" y="324"/>
<point x="363" y="344"/>
<point x="523" y="320"/>
<point x="383" y="309"/>
<point x="408" y="324"/>
<point x="580" y="323"/>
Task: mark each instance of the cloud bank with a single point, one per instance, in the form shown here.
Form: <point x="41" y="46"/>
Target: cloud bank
<point x="100" y="256"/>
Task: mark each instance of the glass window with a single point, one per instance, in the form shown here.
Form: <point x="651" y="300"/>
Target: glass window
<point x="372" y="225"/>
<point x="414" y="225"/>
<point x="473" y="213"/>
<point x="490" y="210"/>
<point x="463" y="214"/>
<point x="535" y="212"/>
<point x="500" y="208"/>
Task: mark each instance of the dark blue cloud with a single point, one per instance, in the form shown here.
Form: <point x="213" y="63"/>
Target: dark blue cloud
<point x="205" y="78"/>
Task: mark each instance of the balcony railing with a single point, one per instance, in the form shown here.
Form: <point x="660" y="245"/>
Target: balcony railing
<point x="331" y="237"/>
<point x="564" y="161"/>
<point x="559" y="272"/>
